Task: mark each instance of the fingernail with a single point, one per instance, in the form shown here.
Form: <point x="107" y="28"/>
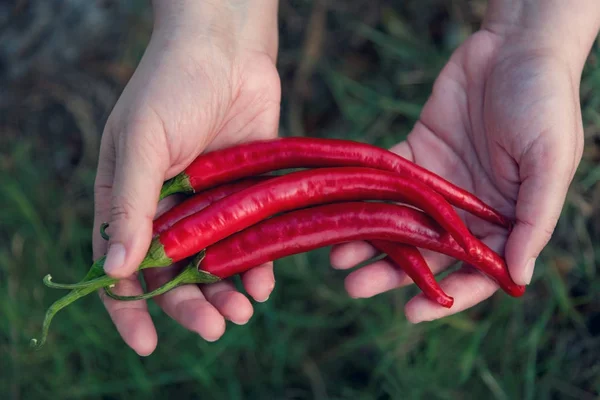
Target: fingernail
<point x="114" y="258"/>
<point x="270" y="291"/>
<point x="263" y="300"/>
<point x="528" y="273"/>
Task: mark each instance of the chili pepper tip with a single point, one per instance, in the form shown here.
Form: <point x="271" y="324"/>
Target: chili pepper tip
<point x="446" y="302"/>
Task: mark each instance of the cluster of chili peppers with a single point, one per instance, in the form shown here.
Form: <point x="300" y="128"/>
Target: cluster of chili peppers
<point x="237" y="218"/>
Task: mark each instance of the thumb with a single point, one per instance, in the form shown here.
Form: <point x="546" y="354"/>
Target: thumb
<point x="545" y="173"/>
<point x="141" y="161"/>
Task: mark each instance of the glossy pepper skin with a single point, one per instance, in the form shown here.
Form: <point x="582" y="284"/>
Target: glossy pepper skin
<point x="405" y="257"/>
<point x="303" y="189"/>
<point x="255" y="158"/>
<point x="311" y="228"/>
<point x="292" y="233"/>
<point x="411" y="261"/>
<point x="201" y="200"/>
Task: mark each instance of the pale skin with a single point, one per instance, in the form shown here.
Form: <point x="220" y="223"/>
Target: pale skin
<point x="503" y="122"/>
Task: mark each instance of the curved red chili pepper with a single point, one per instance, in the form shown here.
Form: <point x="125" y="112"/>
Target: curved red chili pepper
<point x="303" y="189"/>
<point x="311" y="228"/>
<point x="410" y="260"/>
<point x="407" y="258"/>
<point x="292" y="233"/>
<point x="200" y="201"/>
<point x="304" y="230"/>
<point x="255" y="158"/>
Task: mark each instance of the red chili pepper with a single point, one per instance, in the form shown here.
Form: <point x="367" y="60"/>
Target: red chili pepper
<point x="410" y="260"/>
<point x="304" y="230"/>
<point x="407" y="258"/>
<point x="200" y="201"/>
<point x="306" y="188"/>
<point x="296" y="232"/>
<point x="255" y="158"/>
<point x="311" y="228"/>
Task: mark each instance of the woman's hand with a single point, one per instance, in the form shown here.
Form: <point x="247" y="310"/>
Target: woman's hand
<point x="207" y="80"/>
<point x="504" y="122"/>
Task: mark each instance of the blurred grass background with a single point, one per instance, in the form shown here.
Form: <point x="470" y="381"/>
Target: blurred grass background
<point x="62" y="67"/>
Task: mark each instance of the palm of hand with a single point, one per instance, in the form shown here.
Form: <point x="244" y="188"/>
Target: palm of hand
<point x="212" y="100"/>
<point x="454" y="126"/>
<point x="493" y="124"/>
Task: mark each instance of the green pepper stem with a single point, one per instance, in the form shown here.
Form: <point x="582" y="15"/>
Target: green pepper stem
<point x="72" y="286"/>
<point x="178" y="184"/>
<point x="65" y="301"/>
<point x="190" y="275"/>
<point x="96" y="271"/>
<point x="156" y="257"/>
<point x="103" y="231"/>
<point x="95" y="279"/>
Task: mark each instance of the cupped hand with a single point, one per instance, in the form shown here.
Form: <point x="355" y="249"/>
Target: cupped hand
<point x="503" y="121"/>
<point x="189" y="94"/>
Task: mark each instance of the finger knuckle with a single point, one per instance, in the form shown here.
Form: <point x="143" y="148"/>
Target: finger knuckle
<point x="547" y="232"/>
<point x="145" y="139"/>
<point x="102" y="295"/>
<point x="122" y="208"/>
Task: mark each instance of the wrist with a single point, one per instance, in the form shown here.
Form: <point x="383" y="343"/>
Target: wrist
<point x="234" y="25"/>
<point x="564" y="29"/>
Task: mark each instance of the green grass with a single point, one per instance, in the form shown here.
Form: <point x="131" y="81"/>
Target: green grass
<point x="309" y="341"/>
